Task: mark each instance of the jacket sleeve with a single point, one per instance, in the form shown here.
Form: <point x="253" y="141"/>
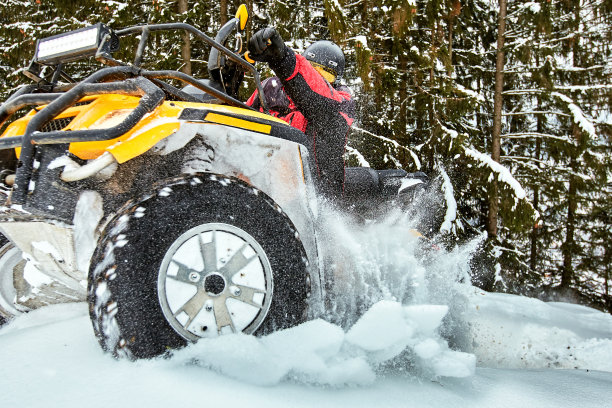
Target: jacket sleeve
<point x="329" y="113"/>
<point x="312" y="94"/>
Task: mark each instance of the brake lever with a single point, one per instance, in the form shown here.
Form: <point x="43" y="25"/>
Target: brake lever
<point x="248" y="58"/>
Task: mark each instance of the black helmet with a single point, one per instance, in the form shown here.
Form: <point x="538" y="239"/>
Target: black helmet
<point x="327" y="55"/>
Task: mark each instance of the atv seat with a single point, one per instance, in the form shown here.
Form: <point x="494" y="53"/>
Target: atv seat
<point x="200" y="94"/>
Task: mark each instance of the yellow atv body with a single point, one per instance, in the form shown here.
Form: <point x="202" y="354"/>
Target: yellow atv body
<point x="106" y="111"/>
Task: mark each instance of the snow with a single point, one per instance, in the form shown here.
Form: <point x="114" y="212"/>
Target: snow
<point x="165" y="192"/>
<point x="63" y="161"/>
<point x="394" y="143"/>
<point x="88" y="214"/>
<point x="51" y="358"/>
<point x="47" y="248"/>
<point x="470" y="93"/>
<point x="533" y="6"/>
<point x="34" y="276"/>
<point x="407" y="183"/>
<point x="520" y="332"/>
<point x="503" y="174"/>
<point x="351" y="151"/>
<point x="451" y="204"/>
<point x="578" y="115"/>
<point x="362" y="39"/>
<point x="401" y="329"/>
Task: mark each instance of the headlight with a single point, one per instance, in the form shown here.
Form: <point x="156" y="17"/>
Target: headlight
<point x="74" y="44"/>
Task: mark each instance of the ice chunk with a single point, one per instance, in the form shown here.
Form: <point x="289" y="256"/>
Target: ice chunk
<point x="381" y="327"/>
<point x="238" y="356"/>
<point x="351" y="371"/>
<point x="316" y="336"/>
<point x="454" y="364"/>
<point x="47" y="248"/>
<point x="165" y="192"/>
<point x="427" y="349"/>
<point x="426" y="318"/>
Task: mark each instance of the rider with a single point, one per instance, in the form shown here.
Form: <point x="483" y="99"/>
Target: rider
<point x="306" y="94"/>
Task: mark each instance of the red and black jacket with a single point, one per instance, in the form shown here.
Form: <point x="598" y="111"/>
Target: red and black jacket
<point x="304" y="99"/>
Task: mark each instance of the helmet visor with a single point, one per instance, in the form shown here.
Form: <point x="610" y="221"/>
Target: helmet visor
<point x="327" y="73"/>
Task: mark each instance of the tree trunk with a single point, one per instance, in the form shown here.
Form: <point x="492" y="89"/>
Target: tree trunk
<point x="223" y="7"/>
<point x="569" y="246"/>
<point x="533" y="257"/>
<point x="403" y="96"/>
<point x="183" y="6"/>
<point x="567" y="274"/>
<point x="434" y="28"/>
<point x="450" y="46"/>
<point x="497" y="116"/>
<point x="249" y="4"/>
<point x="430" y="106"/>
<point x="607" y="297"/>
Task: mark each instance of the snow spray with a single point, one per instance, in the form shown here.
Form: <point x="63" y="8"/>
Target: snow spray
<point x="394" y="306"/>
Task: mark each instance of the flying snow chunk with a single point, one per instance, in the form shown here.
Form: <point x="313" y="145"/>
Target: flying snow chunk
<point x="351" y="371"/>
<point x="407" y="183"/>
<point x="426" y="318"/>
<point x="316" y="336"/>
<point x="454" y="364"/>
<point x="427" y="349"/>
<point x="165" y="192"/>
<point x="380" y="328"/>
<point x="239" y="356"/>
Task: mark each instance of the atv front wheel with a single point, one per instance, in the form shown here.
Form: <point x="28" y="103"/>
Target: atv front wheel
<point x="203" y="256"/>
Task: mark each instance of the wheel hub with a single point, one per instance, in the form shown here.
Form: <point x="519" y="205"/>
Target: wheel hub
<point x="215" y="275"/>
<point x="214" y="284"/>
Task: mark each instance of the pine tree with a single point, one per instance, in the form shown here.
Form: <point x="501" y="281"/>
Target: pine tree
<point x="422" y="73"/>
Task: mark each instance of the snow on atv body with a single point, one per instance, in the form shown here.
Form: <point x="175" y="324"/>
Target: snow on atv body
<point x="177" y="214"/>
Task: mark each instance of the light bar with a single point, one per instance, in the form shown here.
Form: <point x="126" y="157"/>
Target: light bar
<point x="71" y="45"/>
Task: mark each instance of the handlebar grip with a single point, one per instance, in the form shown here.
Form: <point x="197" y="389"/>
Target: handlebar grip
<point x="248" y="57"/>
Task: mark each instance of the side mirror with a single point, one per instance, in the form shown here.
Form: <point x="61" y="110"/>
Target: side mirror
<point x="242" y="15"/>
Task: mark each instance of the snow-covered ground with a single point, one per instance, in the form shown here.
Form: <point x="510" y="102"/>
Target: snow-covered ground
<point x="402" y="330"/>
<point x="529" y="354"/>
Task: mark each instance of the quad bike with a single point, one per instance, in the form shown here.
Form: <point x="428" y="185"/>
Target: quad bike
<point x="176" y="212"/>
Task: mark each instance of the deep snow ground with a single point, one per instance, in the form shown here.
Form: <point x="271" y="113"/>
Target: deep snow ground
<point x="50" y="358"/>
<point x="403" y="331"/>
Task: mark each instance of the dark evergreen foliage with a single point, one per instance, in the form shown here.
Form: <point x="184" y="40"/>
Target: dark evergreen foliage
<point x="423" y="72"/>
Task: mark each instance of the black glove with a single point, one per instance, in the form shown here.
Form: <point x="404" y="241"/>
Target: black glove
<point x="266" y="45"/>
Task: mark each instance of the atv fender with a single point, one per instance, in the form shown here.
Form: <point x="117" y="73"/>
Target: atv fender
<point x="275" y="166"/>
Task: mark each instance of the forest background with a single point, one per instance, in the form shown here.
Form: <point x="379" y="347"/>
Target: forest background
<point x="504" y="103"/>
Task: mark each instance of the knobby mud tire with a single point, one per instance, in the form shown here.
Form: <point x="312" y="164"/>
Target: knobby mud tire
<point x="123" y="283"/>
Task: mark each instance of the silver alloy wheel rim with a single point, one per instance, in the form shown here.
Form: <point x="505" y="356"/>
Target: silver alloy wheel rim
<point x="215" y="279"/>
<point x="10" y="258"/>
